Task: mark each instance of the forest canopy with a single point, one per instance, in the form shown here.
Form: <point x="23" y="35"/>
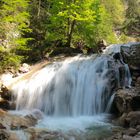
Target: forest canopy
<point x="30" y="29"/>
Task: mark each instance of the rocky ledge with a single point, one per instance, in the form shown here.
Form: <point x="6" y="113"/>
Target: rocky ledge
<point x="6" y="102"/>
<point x="17" y="127"/>
<point x="126" y="104"/>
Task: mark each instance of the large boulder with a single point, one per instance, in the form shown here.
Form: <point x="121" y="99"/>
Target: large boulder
<point x="126" y="100"/>
<point x="131" y="55"/>
<point x="122" y="101"/>
<point x="133" y="119"/>
<point x="4" y="92"/>
<point x="6" y="102"/>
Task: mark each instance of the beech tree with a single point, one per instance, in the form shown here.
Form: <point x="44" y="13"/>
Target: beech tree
<point x="67" y="15"/>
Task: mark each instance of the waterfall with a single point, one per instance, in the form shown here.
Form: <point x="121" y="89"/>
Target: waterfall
<point x="78" y="86"/>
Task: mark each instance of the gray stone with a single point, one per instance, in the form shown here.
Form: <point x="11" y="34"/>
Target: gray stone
<point x="131" y="132"/>
<point x="131" y="54"/>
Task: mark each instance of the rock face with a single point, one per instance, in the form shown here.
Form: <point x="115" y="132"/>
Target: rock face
<point x="127" y="100"/>
<point x="4" y="93"/>
<point x="131" y="56"/>
<point x="126" y="104"/>
<point x="5" y="98"/>
<point x="4" y="104"/>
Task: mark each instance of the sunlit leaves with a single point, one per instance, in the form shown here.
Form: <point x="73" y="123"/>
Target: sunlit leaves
<point x="13" y="26"/>
<point x="68" y="15"/>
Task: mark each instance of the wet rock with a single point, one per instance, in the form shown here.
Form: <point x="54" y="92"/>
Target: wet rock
<point x="5" y="98"/>
<point x="133" y="119"/>
<point x="127" y="107"/>
<point x="8" y="135"/>
<point x="126" y="137"/>
<point x="16" y="122"/>
<point x="2" y="127"/>
<point x="122" y="101"/>
<point x="4" y="104"/>
<point x="4" y="92"/>
<point x="37" y="114"/>
<point x="122" y="75"/>
<point x="22" y="122"/>
<point x="131" y="55"/>
<point x="126" y="100"/>
<point x="2" y="113"/>
<point x="131" y="132"/>
<point x="101" y="45"/>
<point x="43" y="134"/>
<point x="13" y="136"/>
<point x="4" y="135"/>
<point x="24" y="68"/>
<point x="138" y="80"/>
<point x="122" y="120"/>
<point x="138" y="128"/>
<point x="135" y="103"/>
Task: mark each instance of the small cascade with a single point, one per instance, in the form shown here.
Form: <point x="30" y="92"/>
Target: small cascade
<point x="116" y="49"/>
<point x="78" y="86"/>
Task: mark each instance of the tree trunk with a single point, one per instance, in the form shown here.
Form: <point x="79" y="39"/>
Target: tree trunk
<point x="70" y="32"/>
<point x="39" y="6"/>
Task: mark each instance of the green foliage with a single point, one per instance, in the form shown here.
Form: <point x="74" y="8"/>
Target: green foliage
<point x="131" y="25"/>
<point x="116" y="10"/>
<point x="66" y="18"/>
<point x="14" y="22"/>
<point x="30" y="29"/>
<point x="13" y="26"/>
<point x="103" y="28"/>
<point x="8" y="60"/>
<point x="39" y="11"/>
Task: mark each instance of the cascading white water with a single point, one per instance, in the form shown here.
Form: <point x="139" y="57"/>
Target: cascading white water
<point x="75" y="87"/>
<point x="71" y="92"/>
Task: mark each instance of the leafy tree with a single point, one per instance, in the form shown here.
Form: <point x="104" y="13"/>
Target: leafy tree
<point x="14" y="23"/>
<point x="131" y="25"/>
<point x="8" y="60"/>
<point x="106" y="23"/>
<point x="116" y="10"/>
<point x="39" y="11"/>
<point x="66" y="16"/>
